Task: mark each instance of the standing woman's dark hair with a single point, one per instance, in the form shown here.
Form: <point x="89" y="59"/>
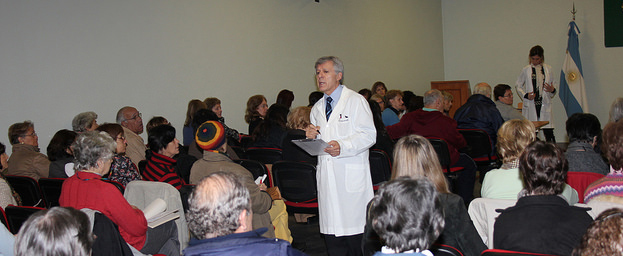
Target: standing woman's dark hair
<point x="59" y="231"/>
<point x="383" y="141"/>
<point x="537" y="50"/>
<point x="285" y="97"/>
<point x="60" y="145"/>
<point x="271" y="131"/>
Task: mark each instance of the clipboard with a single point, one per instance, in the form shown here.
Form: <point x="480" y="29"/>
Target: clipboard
<point x="313" y="147"/>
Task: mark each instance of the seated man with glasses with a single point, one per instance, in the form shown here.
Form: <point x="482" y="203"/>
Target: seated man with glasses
<point x="132" y="123"/>
<point x="503" y="95"/>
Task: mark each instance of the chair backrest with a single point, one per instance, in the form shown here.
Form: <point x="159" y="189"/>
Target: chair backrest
<point x="443" y="153"/>
<point x="264" y="155"/>
<point x="28" y="190"/>
<point x="17" y="215"/>
<point x="498" y="252"/>
<point x="51" y="189"/>
<point x="580" y="181"/>
<point x="257" y="169"/>
<point x="245" y="141"/>
<point x="444" y="250"/>
<point x="117" y="184"/>
<point x="4" y="220"/>
<point x="296" y="180"/>
<point x="479" y="142"/>
<point x="380" y="166"/>
<point x="482" y="212"/>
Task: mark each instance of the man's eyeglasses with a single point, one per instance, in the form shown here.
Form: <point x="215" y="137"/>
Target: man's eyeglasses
<point x="34" y="134"/>
<point x="139" y="115"/>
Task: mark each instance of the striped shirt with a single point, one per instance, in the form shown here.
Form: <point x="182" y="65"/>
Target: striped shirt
<point x="162" y="168"/>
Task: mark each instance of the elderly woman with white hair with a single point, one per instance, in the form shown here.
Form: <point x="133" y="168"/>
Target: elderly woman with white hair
<point x="85" y="122"/>
<point x="94" y="152"/>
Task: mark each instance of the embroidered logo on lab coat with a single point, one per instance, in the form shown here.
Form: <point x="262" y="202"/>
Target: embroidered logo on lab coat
<point x="343" y="118"/>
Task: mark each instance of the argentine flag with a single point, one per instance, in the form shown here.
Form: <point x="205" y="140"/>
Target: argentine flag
<point x="572" y="89"/>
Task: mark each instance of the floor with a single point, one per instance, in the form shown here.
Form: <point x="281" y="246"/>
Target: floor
<point x="307" y="237"/>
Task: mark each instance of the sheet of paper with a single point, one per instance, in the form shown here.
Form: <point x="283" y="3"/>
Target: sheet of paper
<point x="313" y="147"/>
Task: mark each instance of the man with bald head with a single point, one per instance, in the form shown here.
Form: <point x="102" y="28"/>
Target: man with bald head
<point x="220" y="217"/>
<point x="480" y="112"/>
<point x="132" y="122"/>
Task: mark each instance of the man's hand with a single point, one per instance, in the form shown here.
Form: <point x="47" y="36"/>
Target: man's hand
<point x="312" y="131"/>
<point x="333" y="149"/>
<point x="262" y="186"/>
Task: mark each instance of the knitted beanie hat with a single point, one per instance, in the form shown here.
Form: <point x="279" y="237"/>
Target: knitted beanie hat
<point x="210" y="135"/>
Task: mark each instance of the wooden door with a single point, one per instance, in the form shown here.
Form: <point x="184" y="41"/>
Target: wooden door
<point x="459" y="89"/>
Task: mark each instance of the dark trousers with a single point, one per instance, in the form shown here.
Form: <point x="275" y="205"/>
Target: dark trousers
<point x="549" y="134"/>
<point x="343" y="245"/>
<point x="464" y="185"/>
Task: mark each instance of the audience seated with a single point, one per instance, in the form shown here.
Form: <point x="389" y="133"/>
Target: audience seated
<point x="285" y="98"/>
<point x="506" y="182"/>
<point x="366" y="93"/>
<point x="541" y="221"/>
<point x="60" y="231"/>
<point x="26" y="159"/>
<point x="122" y="169"/>
<point x="415" y="158"/>
<point x="612" y="184"/>
<point x="94" y="152"/>
<point x="616" y="110"/>
<point x="298" y="120"/>
<point x="156" y="121"/>
<point x="391" y="114"/>
<point x="407" y="215"/>
<point x="60" y="154"/>
<point x="7" y="194"/>
<point x="479" y="112"/>
<point x="211" y="138"/>
<point x="193" y="106"/>
<point x="85" y="122"/>
<point x="132" y="122"/>
<point x="383" y="141"/>
<point x="379" y="100"/>
<point x="503" y="95"/>
<point x="220" y="217"/>
<point x="257" y="107"/>
<point x="270" y="132"/>
<point x="379" y="89"/>
<point x="214" y="104"/>
<point x="584" y="131"/>
<point x="448" y="100"/>
<point x="604" y="235"/>
<point x="163" y="146"/>
<point x="314" y="97"/>
<point x="431" y="122"/>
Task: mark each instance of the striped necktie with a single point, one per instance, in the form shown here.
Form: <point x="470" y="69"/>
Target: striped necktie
<point x="329" y="109"/>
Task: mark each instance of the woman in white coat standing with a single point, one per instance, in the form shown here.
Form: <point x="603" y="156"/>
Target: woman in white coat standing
<point x="535" y="86"/>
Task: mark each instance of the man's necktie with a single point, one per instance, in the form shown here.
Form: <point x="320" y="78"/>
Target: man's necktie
<point x="329" y="109"/>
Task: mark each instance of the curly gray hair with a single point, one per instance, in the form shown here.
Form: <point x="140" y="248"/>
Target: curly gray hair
<point x="82" y="121"/>
<point x="91" y="147"/>
<point x="216" y="204"/>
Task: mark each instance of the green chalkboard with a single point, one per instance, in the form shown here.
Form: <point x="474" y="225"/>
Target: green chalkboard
<point x="613" y="23"/>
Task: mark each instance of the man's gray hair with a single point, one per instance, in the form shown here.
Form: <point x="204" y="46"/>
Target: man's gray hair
<point x="83" y="121"/>
<point x="483" y="89"/>
<point x="91" y="147"/>
<point x="430" y="97"/>
<point x="338" y="66"/>
<point x="216" y="204"/>
<point x="616" y="110"/>
<point x="121" y="116"/>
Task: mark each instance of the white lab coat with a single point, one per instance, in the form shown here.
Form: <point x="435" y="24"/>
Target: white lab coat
<point x="524" y="85"/>
<point x="344" y="182"/>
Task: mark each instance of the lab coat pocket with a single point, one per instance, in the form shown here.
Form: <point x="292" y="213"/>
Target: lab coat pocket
<point x="344" y="128"/>
<point x="355" y="180"/>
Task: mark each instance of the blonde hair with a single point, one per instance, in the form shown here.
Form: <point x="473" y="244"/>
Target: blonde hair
<point x="513" y="137"/>
<point x="415" y="157"/>
<point x="298" y="118"/>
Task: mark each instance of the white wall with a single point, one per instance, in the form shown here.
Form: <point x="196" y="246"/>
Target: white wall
<point x="62" y="57"/>
<point x="489" y="40"/>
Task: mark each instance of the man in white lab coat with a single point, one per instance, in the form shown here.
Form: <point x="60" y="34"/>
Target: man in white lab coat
<point x="343" y="119"/>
